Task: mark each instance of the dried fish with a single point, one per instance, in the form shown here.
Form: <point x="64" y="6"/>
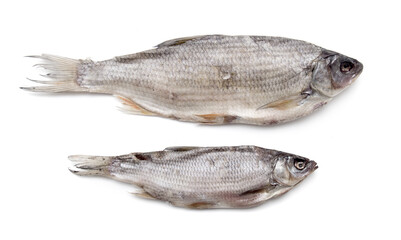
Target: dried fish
<point x="203" y="177"/>
<point x="213" y="79"/>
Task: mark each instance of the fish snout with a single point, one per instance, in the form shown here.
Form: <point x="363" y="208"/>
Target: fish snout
<point x="314" y="166"/>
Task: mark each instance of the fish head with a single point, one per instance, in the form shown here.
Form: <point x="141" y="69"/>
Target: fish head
<point x="334" y="72"/>
<point x="291" y="169"/>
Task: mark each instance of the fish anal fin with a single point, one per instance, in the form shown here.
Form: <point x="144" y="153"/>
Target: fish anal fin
<point x="287" y="103"/>
<point x="178" y="41"/>
<point x="132" y="107"/>
<point x="180" y="148"/>
<point x="141" y="193"/>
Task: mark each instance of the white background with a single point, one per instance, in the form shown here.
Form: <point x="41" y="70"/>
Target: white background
<point x="355" y="139"/>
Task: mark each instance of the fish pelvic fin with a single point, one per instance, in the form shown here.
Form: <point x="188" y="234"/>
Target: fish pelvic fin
<point x="201" y="205"/>
<point x="90" y="165"/>
<point x="131" y="107"/>
<point x="216" y="118"/>
<point x="62" y="73"/>
<point x="196" y="204"/>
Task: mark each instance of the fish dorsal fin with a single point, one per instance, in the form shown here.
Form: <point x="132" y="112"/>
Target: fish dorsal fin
<point x="178" y="41"/>
<point x="180" y="148"/>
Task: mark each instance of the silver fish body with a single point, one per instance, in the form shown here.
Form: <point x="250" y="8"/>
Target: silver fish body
<point x="213" y="79"/>
<point x="209" y="177"/>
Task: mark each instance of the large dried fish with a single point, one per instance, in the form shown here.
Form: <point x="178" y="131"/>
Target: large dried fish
<point x="213" y="79"/>
<point x="210" y="177"/>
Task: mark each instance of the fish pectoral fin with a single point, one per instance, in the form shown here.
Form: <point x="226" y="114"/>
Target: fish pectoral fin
<point x="286" y="103"/>
<point x="180" y="148"/>
<point x="256" y="191"/>
<point x="178" y="41"/>
<point x="131" y="107"/>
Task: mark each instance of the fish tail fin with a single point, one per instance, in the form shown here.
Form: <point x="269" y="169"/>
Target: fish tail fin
<point x="90" y="165"/>
<point x="63" y="74"/>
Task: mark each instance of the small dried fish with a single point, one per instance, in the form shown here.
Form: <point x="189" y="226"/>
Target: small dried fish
<point x="212" y="79"/>
<point x="203" y="177"/>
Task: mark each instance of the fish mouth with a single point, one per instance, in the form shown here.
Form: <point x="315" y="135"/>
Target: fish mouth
<point x="358" y="71"/>
<point x="314" y="166"/>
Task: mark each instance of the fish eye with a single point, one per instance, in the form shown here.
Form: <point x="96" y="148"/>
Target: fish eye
<point x="299" y="164"/>
<point x="346" y="66"/>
